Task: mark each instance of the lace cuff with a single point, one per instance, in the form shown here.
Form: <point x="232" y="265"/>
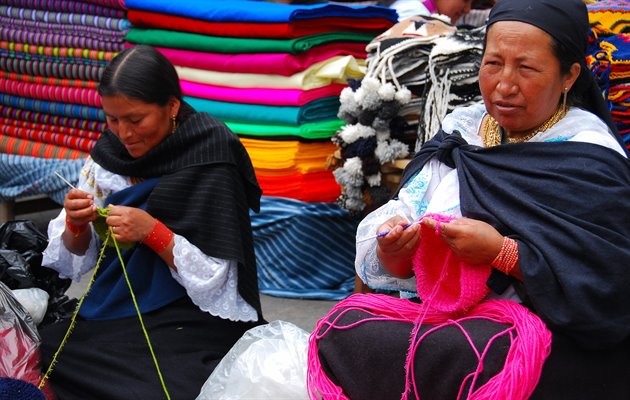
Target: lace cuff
<point x="59" y="258"/>
<point x="211" y="283"/>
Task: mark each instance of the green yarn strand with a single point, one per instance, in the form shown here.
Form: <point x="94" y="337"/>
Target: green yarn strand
<point x="107" y="237"/>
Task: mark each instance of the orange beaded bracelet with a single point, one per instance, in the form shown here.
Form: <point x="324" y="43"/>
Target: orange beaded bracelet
<point x="507" y="258"/>
<point x="75" y="229"/>
<point x="159" y="238"/>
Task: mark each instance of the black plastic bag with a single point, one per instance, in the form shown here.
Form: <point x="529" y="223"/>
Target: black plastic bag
<point x="21" y="249"/>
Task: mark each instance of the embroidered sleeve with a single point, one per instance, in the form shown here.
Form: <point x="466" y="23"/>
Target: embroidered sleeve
<point x="210" y="282"/>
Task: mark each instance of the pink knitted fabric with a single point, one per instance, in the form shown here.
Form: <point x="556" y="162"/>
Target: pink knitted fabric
<point x="451" y="292"/>
<point x="445" y="283"/>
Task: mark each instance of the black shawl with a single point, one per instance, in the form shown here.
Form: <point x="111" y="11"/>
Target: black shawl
<point x="568" y="206"/>
<point x="207" y="186"/>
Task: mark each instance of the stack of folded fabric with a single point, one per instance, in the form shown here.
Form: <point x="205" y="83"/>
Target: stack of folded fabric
<point x="270" y="71"/>
<point x="52" y="54"/>
<point x="609" y="58"/>
<point x="418" y="71"/>
<point x="273" y="73"/>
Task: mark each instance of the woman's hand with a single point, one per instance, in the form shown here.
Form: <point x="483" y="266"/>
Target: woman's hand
<point x="473" y="241"/>
<point x="129" y="224"/>
<point x="80" y="211"/>
<point x="80" y="208"/>
<point x="396" y="249"/>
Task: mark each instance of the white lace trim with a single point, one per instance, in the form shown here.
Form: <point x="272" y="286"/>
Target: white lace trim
<point x="210" y="282"/>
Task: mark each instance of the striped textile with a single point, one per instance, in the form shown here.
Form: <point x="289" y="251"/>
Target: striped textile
<point x="55" y="39"/>
<point x="50" y="69"/>
<point x="26" y="176"/>
<point x="118" y="4"/>
<point x="119" y="24"/>
<point x="87" y="97"/>
<point x="54" y="138"/>
<point x="43" y="118"/>
<point x="25" y="147"/>
<point x="62" y="52"/>
<point x="66" y="60"/>
<point x="62" y="109"/>
<point x="47" y="80"/>
<point x="68" y="6"/>
<point x="304" y="250"/>
<point x="61" y="29"/>
<point x="66" y="130"/>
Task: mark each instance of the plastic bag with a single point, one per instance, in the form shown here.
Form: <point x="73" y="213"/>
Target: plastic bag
<point x="268" y="362"/>
<point x="19" y="343"/>
<point x="34" y="300"/>
<point x="21" y="250"/>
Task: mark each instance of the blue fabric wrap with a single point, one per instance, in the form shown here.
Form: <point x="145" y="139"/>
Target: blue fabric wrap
<point x="253" y="11"/>
<point x="149" y="275"/>
<point x="566" y="204"/>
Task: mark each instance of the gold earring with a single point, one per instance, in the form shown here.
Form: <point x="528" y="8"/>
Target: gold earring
<point x="174" y="121"/>
<point x="564" y="101"/>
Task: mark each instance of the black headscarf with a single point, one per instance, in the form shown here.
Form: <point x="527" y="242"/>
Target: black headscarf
<point x="567" y="22"/>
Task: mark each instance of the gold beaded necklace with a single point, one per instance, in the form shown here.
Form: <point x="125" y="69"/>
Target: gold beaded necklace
<point x="491" y="131"/>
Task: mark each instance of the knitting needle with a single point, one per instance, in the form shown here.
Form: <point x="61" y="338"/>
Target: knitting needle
<point x="65" y="180"/>
<point x="384" y="233"/>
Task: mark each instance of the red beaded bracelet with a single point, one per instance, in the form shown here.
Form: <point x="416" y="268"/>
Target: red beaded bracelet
<point x="75" y="229"/>
<point x="507" y="258"/>
<point x="159" y="238"/>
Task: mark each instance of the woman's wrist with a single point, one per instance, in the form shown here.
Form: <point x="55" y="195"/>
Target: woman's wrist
<point x="159" y="238"/>
<point x="76" y="230"/>
<point x="507" y="258"/>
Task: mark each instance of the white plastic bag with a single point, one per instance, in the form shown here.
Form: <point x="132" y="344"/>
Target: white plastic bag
<point x="268" y="362"/>
<point x="34" y="300"/>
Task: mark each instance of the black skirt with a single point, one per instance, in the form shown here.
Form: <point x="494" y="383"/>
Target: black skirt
<point x="368" y="362"/>
<point x="111" y="360"/>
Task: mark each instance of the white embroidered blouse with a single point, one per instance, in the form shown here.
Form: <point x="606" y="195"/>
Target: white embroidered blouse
<point x="210" y="282"/>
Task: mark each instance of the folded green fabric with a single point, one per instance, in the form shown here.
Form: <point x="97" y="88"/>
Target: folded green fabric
<point x="318" y="110"/>
<point x="311" y="130"/>
<point x="231" y="45"/>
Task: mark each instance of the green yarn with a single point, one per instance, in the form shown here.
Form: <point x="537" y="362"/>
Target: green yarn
<point x="109" y="240"/>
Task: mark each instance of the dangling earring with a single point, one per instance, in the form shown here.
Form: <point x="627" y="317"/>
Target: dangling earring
<point x="564" y="101"/>
<point x="174" y="121"/>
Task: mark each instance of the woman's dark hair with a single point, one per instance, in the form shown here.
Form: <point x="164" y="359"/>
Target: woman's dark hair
<point x="141" y="73"/>
<point x="566" y="59"/>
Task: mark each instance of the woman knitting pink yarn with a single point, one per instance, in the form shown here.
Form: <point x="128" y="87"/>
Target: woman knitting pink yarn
<point x="515" y="284"/>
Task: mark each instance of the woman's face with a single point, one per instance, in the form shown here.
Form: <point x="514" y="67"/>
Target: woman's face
<point x="138" y="125"/>
<point x="520" y="77"/>
<point x="455" y="9"/>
